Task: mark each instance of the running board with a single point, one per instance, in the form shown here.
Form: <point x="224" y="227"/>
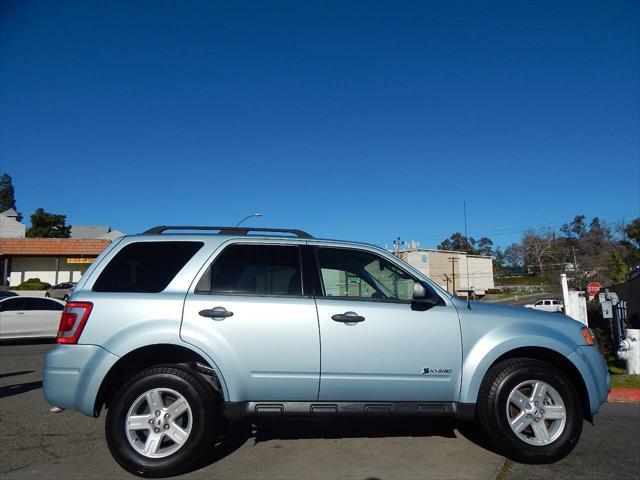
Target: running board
<point x="461" y="411"/>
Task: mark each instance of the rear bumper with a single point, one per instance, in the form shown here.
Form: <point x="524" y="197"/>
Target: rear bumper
<point x="73" y="375"/>
<point x="593" y="368"/>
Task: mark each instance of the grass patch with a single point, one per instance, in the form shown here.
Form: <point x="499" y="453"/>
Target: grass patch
<point x="619" y="376"/>
<point x="625" y="381"/>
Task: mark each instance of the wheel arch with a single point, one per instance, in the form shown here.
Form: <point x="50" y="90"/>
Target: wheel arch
<point x="147" y="356"/>
<point x="557" y="359"/>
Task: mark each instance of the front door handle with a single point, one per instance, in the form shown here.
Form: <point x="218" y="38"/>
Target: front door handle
<point x="347" y="317"/>
<point x="216" y="312"/>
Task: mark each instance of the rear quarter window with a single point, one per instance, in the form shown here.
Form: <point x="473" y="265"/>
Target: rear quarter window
<point x="145" y="267"/>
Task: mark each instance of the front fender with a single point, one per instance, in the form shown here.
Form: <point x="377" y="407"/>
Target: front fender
<point x="482" y="354"/>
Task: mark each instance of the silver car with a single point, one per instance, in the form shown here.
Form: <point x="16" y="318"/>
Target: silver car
<point x="61" y="291"/>
<point x="176" y="333"/>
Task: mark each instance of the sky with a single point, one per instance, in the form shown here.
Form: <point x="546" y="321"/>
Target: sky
<point x="354" y="120"/>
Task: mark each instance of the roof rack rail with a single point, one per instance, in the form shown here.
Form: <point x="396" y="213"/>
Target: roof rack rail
<point x="227" y="230"/>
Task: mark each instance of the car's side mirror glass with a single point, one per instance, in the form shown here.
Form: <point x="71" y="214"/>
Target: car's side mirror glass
<point x="419" y="292"/>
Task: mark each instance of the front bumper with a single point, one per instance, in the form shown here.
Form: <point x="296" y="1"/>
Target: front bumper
<point x="593" y="368"/>
<point x="73" y="375"/>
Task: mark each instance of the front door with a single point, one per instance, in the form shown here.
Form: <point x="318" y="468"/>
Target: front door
<point x="392" y="350"/>
<point x="250" y="313"/>
<point x="12" y="312"/>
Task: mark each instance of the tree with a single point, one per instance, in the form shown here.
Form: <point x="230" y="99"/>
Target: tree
<point x="7" y="194"/>
<point x="460" y="243"/>
<point x="617" y="268"/>
<point x="539" y="248"/>
<point x="456" y="242"/>
<point x="576" y="229"/>
<point x="484" y="246"/>
<point x="631" y="242"/>
<point x="514" y="257"/>
<point x="48" y="225"/>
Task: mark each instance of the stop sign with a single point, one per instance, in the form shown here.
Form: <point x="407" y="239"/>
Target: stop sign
<point x="593" y="288"/>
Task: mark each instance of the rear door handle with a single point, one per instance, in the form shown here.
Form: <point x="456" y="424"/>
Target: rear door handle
<point x="216" y="312"/>
<point x="347" y="317"/>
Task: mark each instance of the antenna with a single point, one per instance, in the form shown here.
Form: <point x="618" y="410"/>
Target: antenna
<point x="467" y="257"/>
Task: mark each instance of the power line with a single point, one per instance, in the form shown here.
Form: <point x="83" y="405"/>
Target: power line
<point x="520" y="229"/>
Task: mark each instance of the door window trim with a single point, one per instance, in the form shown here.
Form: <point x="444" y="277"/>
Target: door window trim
<point x="225" y="247"/>
<point x="324" y="296"/>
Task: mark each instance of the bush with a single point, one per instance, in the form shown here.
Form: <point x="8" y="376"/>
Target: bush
<point x="602" y="338"/>
<point x="33" y="284"/>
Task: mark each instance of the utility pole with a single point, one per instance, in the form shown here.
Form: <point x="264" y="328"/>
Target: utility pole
<point x="453" y="261"/>
<point x="396" y="246"/>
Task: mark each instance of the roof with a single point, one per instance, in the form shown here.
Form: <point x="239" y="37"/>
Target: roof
<point x="9" y="213"/>
<point x="52" y="246"/>
<point x="451" y="252"/>
<point x="89" y="231"/>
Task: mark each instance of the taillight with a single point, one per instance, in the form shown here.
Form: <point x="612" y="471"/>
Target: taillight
<point x="74" y="317"/>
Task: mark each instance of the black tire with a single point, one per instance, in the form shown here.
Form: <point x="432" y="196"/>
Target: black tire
<point x="493" y="414"/>
<point x="47" y="295"/>
<point x="204" y="421"/>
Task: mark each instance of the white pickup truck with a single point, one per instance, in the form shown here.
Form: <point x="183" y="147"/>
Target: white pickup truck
<point x="547" y="305"/>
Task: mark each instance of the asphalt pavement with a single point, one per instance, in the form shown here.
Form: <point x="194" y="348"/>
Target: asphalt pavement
<point x="35" y="443"/>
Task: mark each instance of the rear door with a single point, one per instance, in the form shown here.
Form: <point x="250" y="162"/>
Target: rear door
<point x="41" y="318"/>
<point x="250" y="312"/>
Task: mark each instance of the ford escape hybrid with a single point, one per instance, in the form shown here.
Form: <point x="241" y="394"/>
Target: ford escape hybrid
<point x="174" y="333"/>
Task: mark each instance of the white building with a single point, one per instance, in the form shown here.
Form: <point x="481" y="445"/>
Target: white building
<point x="52" y="260"/>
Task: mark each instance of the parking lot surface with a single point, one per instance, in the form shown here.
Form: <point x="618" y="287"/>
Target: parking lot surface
<point x="35" y="443"/>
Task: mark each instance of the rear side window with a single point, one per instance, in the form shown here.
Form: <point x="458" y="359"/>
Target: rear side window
<point x="145" y="267"/>
<point x="43" y="304"/>
<point x="254" y="270"/>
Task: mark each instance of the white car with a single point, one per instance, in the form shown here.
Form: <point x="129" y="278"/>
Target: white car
<point x="547" y="305"/>
<point x="29" y="317"/>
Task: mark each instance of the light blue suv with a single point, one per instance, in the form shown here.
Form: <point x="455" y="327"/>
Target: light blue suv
<point x="177" y="333"/>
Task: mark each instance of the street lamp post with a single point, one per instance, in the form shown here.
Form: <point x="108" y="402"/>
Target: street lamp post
<point x="248" y="217"/>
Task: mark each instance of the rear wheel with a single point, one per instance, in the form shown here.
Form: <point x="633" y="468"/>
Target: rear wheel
<point x="162" y="421"/>
<point x="530" y="410"/>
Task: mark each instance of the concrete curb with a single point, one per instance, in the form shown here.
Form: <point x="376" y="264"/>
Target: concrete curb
<point x="624" y="395"/>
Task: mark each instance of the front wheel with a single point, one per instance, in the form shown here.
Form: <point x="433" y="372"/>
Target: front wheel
<point x="162" y="421"/>
<point x="530" y="410"/>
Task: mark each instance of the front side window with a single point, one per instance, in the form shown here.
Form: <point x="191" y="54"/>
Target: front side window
<point x="145" y="267"/>
<point x="12" y="305"/>
<point x="254" y="270"/>
<point x="360" y="274"/>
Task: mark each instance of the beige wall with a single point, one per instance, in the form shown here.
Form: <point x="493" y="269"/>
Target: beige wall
<point x="44" y="268"/>
<point x="438" y="264"/>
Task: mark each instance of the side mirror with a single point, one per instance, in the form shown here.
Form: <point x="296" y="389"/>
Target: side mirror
<point x="422" y="301"/>
<point x="419" y="292"/>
